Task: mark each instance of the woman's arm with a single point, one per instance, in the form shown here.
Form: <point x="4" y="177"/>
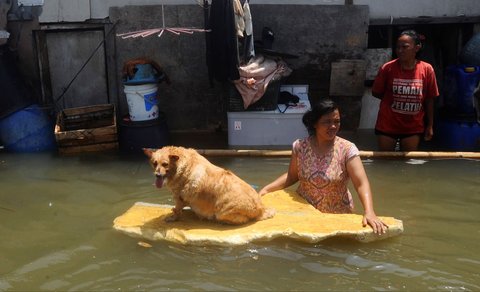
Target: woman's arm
<point x="362" y="186"/>
<point x="379" y="84"/>
<point x="285" y="180"/>
<point x="429" y="113"/>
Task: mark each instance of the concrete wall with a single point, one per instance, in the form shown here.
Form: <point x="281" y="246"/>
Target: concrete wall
<point x="417" y="8"/>
<point x="328" y="33"/>
<point x="318" y="31"/>
<point x="65" y="11"/>
<point x="80" y="10"/>
<point x="189" y="102"/>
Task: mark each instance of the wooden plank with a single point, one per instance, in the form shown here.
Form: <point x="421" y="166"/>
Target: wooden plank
<point x="86" y="117"/>
<point x="88" y="148"/>
<point x="91" y="140"/>
<point x="86" y="133"/>
<point x="88" y="109"/>
<point x="86" y="129"/>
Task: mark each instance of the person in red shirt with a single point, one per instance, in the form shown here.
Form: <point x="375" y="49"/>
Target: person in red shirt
<point x="407" y="88"/>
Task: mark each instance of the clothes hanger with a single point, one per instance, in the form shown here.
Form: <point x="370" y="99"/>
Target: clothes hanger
<point x="161" y="30"/>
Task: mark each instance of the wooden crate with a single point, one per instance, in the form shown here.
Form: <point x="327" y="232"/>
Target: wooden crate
<point x="86" y="129"/>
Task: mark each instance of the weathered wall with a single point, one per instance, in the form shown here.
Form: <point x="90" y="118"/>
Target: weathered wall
<point x="80" y="10"/>
<point x="319" y="31"/>
<point x="188" y="102"/>
<point x="321" y="35"/>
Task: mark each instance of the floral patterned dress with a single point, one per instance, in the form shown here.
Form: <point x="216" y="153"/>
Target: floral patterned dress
<point x="323" y="177"/>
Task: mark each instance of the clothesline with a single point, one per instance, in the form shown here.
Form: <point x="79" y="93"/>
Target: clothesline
<point x="161" y="30"/>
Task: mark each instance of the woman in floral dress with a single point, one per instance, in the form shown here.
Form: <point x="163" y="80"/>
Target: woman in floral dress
<point x="323" y="163"/>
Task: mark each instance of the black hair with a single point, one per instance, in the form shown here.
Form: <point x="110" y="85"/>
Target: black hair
<point x="319" y="109"/>
<point x="417" y="40"/>
<point x="414" y="35"/>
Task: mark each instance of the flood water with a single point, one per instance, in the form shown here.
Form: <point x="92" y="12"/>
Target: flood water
<point x="56" y="233"/>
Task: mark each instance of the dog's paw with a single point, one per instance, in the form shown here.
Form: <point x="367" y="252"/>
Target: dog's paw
<point x="267" y="214"/>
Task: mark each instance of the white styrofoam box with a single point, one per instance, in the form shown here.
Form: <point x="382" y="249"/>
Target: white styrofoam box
<point x="303" y="104"/>
<point x="295" y="89"/>
<point x="264" y="128"/>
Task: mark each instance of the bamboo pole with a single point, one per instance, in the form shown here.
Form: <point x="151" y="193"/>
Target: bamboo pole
<point x="363" y="154"/>
<point x="240" y="153"/>
<point x="419" y="154"/>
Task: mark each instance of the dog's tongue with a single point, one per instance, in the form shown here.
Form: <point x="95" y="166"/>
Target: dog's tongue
<point x="159" y="181"/>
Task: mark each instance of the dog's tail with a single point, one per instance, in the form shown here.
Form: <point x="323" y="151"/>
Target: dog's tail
<point x="267" y="214"/>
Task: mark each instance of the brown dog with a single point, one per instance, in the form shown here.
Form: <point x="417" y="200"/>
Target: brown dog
<point x="210" y="191"/>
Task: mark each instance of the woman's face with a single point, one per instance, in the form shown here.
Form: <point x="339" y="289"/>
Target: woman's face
<point x="406" y="48"/>
<point x="327" y="126"/>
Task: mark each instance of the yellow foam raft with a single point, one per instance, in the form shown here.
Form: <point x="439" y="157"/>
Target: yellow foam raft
<point x="294" y="218"/>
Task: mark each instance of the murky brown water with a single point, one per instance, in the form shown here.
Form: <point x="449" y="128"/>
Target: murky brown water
<point x="56" y="232"/>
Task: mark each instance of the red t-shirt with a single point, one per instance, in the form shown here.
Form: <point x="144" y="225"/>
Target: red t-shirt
<point x="404" y="93"/>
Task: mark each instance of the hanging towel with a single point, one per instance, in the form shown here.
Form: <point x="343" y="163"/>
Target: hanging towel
<point x="256" y="75"/>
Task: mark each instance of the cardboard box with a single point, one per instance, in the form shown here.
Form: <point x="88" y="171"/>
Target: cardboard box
<point x="86" y="129"/>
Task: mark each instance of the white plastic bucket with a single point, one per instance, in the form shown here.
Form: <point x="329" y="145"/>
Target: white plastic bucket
<point x="142" y="101"/>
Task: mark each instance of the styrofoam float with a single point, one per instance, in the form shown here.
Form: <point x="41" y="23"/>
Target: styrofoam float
<point x="294" y="218"/>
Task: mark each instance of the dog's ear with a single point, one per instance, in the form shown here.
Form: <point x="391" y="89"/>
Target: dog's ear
<point x="148" y="152"/>
<point x="173" y="157"/>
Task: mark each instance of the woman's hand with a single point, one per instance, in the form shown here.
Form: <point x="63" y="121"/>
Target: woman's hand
<point x="285" y="180"/>
<point x="263" y="191"/>
<point x="428" y="133"/>
<point x="377" y="225"/>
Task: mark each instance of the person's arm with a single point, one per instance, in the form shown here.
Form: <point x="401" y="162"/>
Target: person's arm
<point x="362" y="186"/>
<point x="429" y="113"/>
<point x="431" y="93"/>
<point x="378" y="87"/>
<point x="285" y="180"/>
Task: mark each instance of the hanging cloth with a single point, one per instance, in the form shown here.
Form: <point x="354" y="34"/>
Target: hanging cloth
<point x="239" y="18"/>
<point x="256" y="75"/>
<point x="222" y="54"/>
<point x="248" y="44"/>
<point x="244" y="29"/>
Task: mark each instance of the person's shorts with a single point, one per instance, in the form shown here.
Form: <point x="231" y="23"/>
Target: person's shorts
<point x="396" y="136"/>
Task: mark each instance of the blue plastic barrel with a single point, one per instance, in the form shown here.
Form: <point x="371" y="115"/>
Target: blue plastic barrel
<point x="459" y="86"/>
<point x="27" y="130"/>
<point x="458" y="135"/>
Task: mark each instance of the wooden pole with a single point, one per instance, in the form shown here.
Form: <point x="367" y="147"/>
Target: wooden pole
<point x="363" y="154"/>
<point x="240" y="153"/>
<point x="419" y="154"/>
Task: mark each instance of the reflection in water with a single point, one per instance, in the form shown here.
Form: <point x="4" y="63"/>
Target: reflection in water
<point x="56" y="218"/>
